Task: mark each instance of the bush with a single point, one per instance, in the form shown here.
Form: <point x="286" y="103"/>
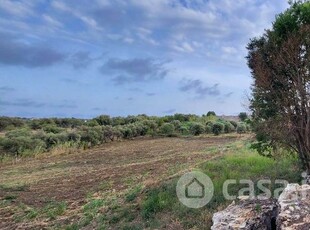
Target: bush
<point x="52" y="129"/>
<point x="131" y="119"/>
<point x="21" y="144"/>
<point x="52" y="139"/>
<point x="241" y="128"/>
<point x="18" y="133"/>
<point x="234" y="123"/>
<point x="208" y="128"/>
<point x="167" y="129"/>
<point x="104" y="120"/>
<point x="40" y="123"/>
<point x="127" y="132"/>
<point x="184" y="130"/>
<point x="91" y="136"/>
<point x="108" y="133"/>
<point x="118" y="121"/>
<point x="196" y="128"/>
<point x="243" y="116"/>
<point x="229" y="128"/>
<point x="177" y="124"/>
<point x="68" y="122"/>
<point x="211" y="113"/>
<point x="10" y="123"/>
<point x="181" y="117"/>
<point x="74" y="137"/>
<point x="152" y="125"/>
<point x="91" y="123"/>
<point x="141" y="129"/>
<point x="217" y="128"/>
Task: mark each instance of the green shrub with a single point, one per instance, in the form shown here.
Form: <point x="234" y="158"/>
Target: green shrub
<point x="211" y="113"/>
<point x="40" y="123"/>
<point x="141" y="129"/>
<point x="241" y="128"/>
<point x="243" y="116"/>
<point x="127" y="132"/>
<point x="208" y="128"/>
<point x="118" y="132"/>
<point x="74" y="137"/>
<point x="10" y="123"/>
<point x="52" y="129"/>
<point x="91" y="136"/>
<point x="151" y="124"/>
<point x="21" y="144"/>
<point x="68" y="122"/>
<point x="234" y="123"/>
<point x="52" y="139"/>
<point x="217" y="128"/>
<point x="228" y="127"/>
<point x="108" y="133"/>
<point x="18" y="133"/>
<point x="177" y="124"/>
<point x="181" y="117"/>
<point x="118" y="121"/>
<point x="184" y="130"/>
<point x="167" y="129"/>
<point x="196" y="128"/>
<point x="103" y="120"/>
<point x="131" y="119"/>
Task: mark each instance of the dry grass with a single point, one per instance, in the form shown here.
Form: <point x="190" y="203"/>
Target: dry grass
<point x="107" y="172"/>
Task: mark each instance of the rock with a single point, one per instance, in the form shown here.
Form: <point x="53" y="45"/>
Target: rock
<point x="247" y="214"/>
<point x="294" y="208"/>
<point x="290" y="212"/>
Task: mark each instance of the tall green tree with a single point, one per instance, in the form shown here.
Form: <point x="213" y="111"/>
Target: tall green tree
<point x="280" y="66"/>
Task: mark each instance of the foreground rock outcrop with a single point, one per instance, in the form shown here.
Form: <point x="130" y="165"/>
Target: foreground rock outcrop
<point x="290" y="212"/>
<point x="247" y="214"/>
<point x="294" y="208"/>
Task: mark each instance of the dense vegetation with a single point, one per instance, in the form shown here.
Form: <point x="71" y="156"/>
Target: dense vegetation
<point x="31" y="136"/>
<point x="279" y="62"/>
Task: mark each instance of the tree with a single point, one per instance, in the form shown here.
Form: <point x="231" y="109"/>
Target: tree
<point x="218" y="128"/>
<point x="167" y="129"/>
<point x="211" y="113"/>
<point x="196" y="128"/>
<point x="280" y="65"/>
<point x="103" y="120"/>
<point x="243" y="116"/>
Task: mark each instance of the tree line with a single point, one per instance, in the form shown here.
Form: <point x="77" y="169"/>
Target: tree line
<point x="31" y="136"/>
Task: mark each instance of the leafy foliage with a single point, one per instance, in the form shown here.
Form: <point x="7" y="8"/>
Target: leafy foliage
<point x="279" y="63"/>
<point x="42" y="135"/>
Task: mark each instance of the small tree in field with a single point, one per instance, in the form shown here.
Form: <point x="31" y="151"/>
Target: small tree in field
<point x="167" y="129"/>
<point x="218" y="128"/>
<point x="243" y="116"/>
<point x="211" y="113"/>
<point x="280" y="65"/>
<point x="196" y="128"/>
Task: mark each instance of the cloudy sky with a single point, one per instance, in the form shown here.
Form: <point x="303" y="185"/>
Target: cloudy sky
<point x="83" y="58"/>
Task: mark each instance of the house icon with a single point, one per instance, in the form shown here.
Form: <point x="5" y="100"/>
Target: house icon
<point x="194" y="189"/>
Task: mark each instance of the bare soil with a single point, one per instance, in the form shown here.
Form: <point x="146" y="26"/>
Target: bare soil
<point x="114" y="166"/>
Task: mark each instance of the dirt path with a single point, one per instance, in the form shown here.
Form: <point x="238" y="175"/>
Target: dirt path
<point x="114" y="166"/>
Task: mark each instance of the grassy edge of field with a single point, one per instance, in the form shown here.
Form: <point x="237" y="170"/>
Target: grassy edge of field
<point x="157" y="207"/>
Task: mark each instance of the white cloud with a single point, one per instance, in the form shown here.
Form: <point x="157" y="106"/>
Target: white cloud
<point x="184" y="47"/>
<point x="52" y="21"/>
<point x="229" y="50"/>
<point x="17" y="8"/>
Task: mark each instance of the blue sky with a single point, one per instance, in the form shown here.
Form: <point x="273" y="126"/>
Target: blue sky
<point x="81" y="58"/>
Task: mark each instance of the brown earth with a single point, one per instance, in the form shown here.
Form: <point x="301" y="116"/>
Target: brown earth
<point x="114" y="166"/>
